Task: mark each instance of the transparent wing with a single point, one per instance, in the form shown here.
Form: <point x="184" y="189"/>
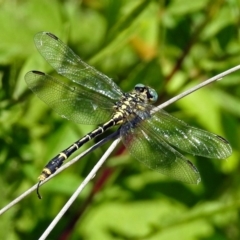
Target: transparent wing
<point x="189" y="139"/>
<point x="149" y="148"/>
<point x="70" y="101"/>
<point x="68" y="64"/>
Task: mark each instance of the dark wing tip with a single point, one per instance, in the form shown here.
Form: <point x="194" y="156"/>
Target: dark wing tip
<point x="222" y="139"/>
<point x="38" y="38"/>
<point x="52" y="35"/>
<point x="197" y="178"/>
<point x="38" y="72"/>
<point x="228" y="150"/>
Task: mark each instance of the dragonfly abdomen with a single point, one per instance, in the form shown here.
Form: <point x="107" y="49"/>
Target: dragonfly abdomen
<point x="57" y="161"/>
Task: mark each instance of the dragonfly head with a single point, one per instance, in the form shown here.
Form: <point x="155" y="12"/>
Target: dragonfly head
<point x="150" y="93"/>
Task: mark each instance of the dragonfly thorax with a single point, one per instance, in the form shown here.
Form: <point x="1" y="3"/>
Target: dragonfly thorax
<point x="134" y="104"/>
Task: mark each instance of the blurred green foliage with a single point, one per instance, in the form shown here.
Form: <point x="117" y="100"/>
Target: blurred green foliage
<point x="169" y="45"/>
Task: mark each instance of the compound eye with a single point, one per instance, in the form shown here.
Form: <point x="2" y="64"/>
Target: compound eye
<point x="153" y="95"/>
<point x="139" y="87"/>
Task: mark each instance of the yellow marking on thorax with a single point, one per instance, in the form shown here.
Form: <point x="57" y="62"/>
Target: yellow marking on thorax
<point x="127" y="107"/>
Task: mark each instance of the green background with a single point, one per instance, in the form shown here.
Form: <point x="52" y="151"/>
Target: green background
<point x="169" y="45"/>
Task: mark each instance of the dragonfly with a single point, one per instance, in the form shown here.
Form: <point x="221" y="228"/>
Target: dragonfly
<point x="87" y="96"/>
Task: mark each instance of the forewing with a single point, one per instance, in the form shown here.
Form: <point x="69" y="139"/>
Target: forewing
<point x="70" y="101"/>
<point x="189" y="139"/>
<point x="68" y="64"/>
<point x="150" y="149"/>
